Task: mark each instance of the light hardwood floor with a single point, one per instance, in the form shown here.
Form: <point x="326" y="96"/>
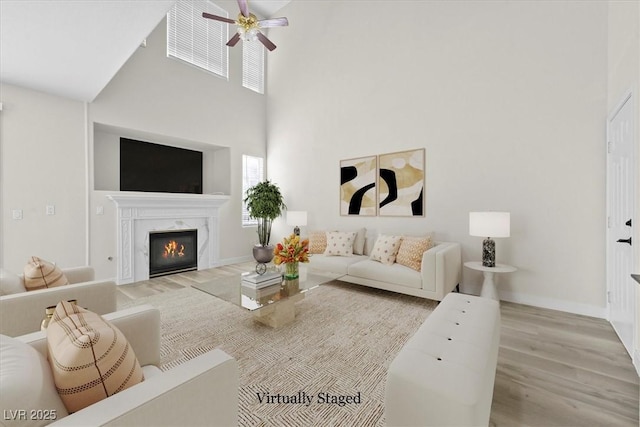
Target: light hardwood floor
<point x="554" y="368"/>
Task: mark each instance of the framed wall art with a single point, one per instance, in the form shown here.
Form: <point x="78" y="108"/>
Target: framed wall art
<point x="358" y="186"/>
<point x="401" y="183"/>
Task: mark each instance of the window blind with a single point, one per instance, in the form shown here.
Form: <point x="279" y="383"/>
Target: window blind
<point x="197" y="40"/>
<point x="253" y="65"/>
<point x="252" y="174"/>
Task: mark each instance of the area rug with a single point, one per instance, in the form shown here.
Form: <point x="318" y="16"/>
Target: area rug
<point x="336" y="352"/>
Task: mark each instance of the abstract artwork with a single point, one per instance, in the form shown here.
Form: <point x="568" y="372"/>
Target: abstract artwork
<point x="401" y="183"/>
<point x="358" y="186"/>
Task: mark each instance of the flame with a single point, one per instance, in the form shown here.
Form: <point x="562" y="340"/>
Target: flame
<point x="173" y="250"/>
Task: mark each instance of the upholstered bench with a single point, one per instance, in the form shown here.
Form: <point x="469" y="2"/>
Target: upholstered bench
<point x="444" y="374"/>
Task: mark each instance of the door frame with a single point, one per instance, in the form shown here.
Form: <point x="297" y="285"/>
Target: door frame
<point x="629" y="94"/>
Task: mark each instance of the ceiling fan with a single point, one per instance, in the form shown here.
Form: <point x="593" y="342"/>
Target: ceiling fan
<point x="249" y="26"/>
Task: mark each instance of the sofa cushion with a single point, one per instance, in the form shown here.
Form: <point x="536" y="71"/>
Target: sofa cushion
<point x="386" y="248"/>
<point x="317" y="242"/>
<point x="26" y="384"/>
<point x="334" y="264"/>
<point x="340" y="243"/>
<point x="395" y="273"/>
<point x="10" y="283"/>
<point x="41" y="274"/>
<point x="411" y="250"/>
<point x="90" y="358"/>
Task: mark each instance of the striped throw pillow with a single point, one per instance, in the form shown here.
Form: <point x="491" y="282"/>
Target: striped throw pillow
<point x="89" y="357"/>
<point x="41" y="274"/>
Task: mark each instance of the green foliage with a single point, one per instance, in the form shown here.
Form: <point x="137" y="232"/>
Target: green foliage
<point x="264" y="203"/>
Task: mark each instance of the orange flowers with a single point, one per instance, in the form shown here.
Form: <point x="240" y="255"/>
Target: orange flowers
<point x="291" y="250"/>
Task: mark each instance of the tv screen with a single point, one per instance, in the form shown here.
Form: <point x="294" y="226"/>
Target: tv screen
<point x="159" y="168"/>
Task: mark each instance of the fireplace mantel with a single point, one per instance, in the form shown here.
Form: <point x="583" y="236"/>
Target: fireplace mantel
<point x="141" y="213"/>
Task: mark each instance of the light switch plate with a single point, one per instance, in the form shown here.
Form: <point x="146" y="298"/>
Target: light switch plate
<point x="51" y="210"/>
<point x="16" y="213"/>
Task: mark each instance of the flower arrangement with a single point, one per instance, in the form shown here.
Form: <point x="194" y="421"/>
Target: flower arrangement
<point x="291" y="250"/>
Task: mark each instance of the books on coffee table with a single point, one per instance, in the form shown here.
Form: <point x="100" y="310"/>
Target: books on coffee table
<point x="257" y="281"/>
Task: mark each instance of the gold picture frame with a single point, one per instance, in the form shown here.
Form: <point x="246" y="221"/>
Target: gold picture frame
<point x="358" y="186"/>
<point x="401" y="178"/>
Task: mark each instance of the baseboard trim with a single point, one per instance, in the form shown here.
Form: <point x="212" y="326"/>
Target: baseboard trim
<point x="554" y="304"/>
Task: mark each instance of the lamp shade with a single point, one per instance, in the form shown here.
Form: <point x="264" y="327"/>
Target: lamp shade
<point x="296" y="218"/>
<point x="490" y="224"/>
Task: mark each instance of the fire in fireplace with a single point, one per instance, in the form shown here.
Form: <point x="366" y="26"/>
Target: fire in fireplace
<point x="172" y="252"/>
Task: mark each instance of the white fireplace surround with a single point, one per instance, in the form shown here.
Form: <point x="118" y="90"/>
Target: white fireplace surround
<point x="141" y="213"/>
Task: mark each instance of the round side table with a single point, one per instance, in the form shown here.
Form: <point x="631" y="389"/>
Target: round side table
<point x="488" y="285"/>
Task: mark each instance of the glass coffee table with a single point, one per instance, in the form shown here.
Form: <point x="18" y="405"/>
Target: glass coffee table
<point x="272" y="305"/>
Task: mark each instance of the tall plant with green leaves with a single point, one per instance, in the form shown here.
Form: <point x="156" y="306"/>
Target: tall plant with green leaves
<point x="264" y="203"/>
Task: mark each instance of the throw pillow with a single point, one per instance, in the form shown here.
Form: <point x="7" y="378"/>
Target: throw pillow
<point x="411" y="250"/>
<point x="386" y="249"/>
<point x="41" y="274"/>
<point x="10" y="283"/>
<point x="90" y="358"/>
<point x="358" y="242"/>
<point x="340" y="243"/>
<point x="26" y="384"/>
<point x="317" y="242"/>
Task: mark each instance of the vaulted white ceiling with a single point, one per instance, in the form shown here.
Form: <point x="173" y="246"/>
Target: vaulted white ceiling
<point x="74" y="48"/>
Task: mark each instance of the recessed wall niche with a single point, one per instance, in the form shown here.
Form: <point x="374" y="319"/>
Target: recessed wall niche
<point x="216" y="171"/>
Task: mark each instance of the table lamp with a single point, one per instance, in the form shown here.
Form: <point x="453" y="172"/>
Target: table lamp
<point x="489" y="224"/>
<point x="296" y="218"/>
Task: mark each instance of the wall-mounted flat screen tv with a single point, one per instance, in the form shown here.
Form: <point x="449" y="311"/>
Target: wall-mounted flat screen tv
<point x="145" y="166"/>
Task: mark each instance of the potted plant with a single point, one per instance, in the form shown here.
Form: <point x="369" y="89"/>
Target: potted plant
<point x="264" y="203"/>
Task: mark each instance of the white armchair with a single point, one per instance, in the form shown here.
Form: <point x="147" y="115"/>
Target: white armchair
<point x="22" y="313"/>
<point x="200" y="392"/>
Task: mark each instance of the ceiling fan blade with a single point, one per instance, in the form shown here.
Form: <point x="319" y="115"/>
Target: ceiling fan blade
<point x="233" y="40"/>
<point x="244" y="8"/>
<point x="265" y="41"/>
<point x="218" y="18"/>
<point x="273" y="22"/>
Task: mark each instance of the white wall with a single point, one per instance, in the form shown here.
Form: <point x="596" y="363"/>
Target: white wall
<point x="42" y="161"/>
<point x="624" y="76"/>
<point x="507" y="98"/>
<point x="47" y="153"/>
<point x="153" y="94"/>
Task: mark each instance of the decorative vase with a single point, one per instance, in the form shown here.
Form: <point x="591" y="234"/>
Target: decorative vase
<point x="263" y="254"/>
<point x="291" y="270"/>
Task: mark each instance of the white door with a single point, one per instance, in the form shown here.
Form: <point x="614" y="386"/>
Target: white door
<point x="621" y="221"/>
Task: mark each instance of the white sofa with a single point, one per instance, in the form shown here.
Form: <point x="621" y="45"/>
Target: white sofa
<point x="444" y="374"/>
<point x="200" y="392"/>
<point x="440" y="273"/>
<point x="21" y="313"/>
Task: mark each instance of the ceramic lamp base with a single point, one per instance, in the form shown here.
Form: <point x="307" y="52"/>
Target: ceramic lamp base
<point x="488" y="253"/>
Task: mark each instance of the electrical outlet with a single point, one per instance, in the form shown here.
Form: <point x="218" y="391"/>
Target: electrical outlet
<point x="51" y="210"/>
<point x="16" y="214"/>
<point x="100" y="210"/>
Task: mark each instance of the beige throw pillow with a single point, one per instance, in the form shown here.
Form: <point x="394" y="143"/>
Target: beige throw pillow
<point x="340" y="243"/>
<point x="358" y="242"/>
<point x="41" y="274"/>
<point x="386" y="249"/>
<point x="411" y="250"/>
<point x="89" y="357"/>
<point x="317" y="242"/>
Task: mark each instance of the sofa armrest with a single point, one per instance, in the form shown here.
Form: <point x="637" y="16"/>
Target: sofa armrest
<point x="201" y="392"/>
<point x="442" y="268"/>
<point x="79" y="274"/>
<point x="23" y="312"/>
<point x="140" y="325"/>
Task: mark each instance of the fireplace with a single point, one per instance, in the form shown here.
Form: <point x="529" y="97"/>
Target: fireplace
<point x="172" y="251"/>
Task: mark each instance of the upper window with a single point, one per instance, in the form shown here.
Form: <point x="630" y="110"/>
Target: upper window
<point x="252" y="174"/>
<point x="253" y="65"/>
<point x="197" y="40"/>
